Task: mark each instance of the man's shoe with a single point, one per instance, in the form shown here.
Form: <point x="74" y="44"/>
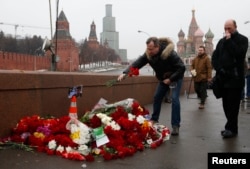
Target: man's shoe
<point x="228" y="134"/>
<point x="201" y="106"/>
<point x="175" y="131"/>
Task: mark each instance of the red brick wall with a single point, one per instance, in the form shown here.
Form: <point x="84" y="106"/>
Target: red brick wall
<point x="10" y="61"/>
<point x="68" y="55"/>
<point x="67" y="52"/>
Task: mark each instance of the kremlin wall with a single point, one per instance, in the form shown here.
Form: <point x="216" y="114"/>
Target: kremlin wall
<point x="68" y="50"/>
<point x="11" y="61"/>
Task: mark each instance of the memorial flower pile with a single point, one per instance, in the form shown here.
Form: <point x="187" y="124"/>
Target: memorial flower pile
<point x="110" y="130"/>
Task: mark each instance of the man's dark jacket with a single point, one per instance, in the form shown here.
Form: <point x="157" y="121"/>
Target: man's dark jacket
<point x="166" y="63"/>
<point x="228" y="60"/>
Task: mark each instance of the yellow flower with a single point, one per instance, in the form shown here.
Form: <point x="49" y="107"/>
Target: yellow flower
<point x="39" y="135"/>
<point x="146" y="125"/>
<point x="75" y="135"/>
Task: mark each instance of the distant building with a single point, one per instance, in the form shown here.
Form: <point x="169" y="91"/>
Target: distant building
<point x="187" y="47"/>
<point x="65" y="47"/>
<point x="93" y="41"/>
<point x="110" y="36"/>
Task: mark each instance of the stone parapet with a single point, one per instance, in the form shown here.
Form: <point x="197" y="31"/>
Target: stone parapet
<point x="25" y="93"/>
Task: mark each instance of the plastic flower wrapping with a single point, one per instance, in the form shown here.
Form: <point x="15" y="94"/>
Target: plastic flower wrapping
<point x="109" y="131"/>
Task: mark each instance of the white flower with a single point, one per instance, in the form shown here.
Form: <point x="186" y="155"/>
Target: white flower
<point x="104" y="118"/>
<point x="114" y="125"/>
<point x="69" y="149"/>
<point x="83" y="149"/>
<point x="52" y="145"/>
<point x="140" y="119"/>
<point x="60" y="148"/>
<point x="131" y="116"/>
<point x="100" y="115"/>
<point x="80" y="133"/>
<point x="149" y="141"/>
<point x="73" y="128"/>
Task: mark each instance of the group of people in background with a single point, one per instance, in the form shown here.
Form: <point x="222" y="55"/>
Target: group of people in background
<point x="227" y="60"/>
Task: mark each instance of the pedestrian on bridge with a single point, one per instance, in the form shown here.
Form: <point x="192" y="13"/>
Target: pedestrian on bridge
<point x="228" y="60"/>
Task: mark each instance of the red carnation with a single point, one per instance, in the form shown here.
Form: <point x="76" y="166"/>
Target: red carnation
<point x="133" y="72"/>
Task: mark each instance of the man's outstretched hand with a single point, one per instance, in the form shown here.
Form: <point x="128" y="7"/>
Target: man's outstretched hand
<point x="121" y="77"/>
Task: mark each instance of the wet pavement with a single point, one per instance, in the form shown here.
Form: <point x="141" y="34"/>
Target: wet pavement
<point x="199" y="134"/>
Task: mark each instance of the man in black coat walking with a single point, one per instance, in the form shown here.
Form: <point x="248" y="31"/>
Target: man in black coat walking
<point x="228" y="61"/>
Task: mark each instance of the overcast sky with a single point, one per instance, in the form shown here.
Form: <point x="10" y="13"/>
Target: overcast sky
<point x="161" y="18"/>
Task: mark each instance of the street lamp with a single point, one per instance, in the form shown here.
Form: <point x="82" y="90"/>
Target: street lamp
<point x="139" y="31"/>
<point x="48" y="45"/>
<point x="50" y="19"/>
